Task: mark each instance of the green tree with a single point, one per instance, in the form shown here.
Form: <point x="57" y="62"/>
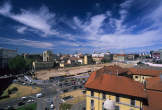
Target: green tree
<point x="19" y="64"/>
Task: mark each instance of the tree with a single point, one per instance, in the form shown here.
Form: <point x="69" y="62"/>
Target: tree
<point x="19" y="64"/>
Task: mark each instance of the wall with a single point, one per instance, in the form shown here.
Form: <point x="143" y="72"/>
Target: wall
<point x="140" y="78"/>
<point x="124" y="103"/>
<point x="42" y="65"/>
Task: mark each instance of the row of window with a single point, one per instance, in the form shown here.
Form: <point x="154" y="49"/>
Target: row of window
<point x="132" y="103"/>
<point x="93" y="107"/>
<point x="139" y="76"/>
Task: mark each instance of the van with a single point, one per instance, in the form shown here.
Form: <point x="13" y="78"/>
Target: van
<point x="39" y="95"/>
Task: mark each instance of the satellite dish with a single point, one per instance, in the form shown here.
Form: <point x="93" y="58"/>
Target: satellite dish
<point x="109" y="104"/>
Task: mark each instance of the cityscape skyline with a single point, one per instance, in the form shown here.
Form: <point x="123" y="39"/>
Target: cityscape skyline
<point x="84" y="26"/>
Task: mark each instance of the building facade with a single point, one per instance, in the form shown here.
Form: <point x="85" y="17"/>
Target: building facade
<point x="42" y="65"/>
<point x="119" y="57"/>
<point x="101" y="88"/>
<point x="47" y="56"/>
<point x="5" y="56"/>
<point x="87" y="59"/>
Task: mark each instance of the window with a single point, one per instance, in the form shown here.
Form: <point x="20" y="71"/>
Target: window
<point x="132" y="102"/>
<point x="104" y="96"/>
<point x="92" y="103"/>
<point x="92" y="93"/>
<point x="117" y="107"/>
<point x="117" y="99"/>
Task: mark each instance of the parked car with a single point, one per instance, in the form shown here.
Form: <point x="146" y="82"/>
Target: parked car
<point x="52" y="106"/>
<point x="39" y="95"/>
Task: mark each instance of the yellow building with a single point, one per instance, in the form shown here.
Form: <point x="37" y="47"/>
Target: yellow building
<point x="123" y="93"/>
<point x="119" y="57"/>
<point x="87" y="59"/>
<point x="141" y="74"/>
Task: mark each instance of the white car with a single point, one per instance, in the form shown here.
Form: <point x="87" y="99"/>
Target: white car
<point x="51" y="106"/>
<point x="23" y="98"/>
<point x="39" y="95"/>
<point x="30" y="101"/>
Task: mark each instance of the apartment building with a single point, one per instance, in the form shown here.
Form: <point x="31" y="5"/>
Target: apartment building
<point x="154" y="93"/>
<point x="107" y="90"/>
<point x="141" y="74"/>
<point x="114" y="88"/>
<point x="5" y="55"/>
<point x="88" y="59"/>
<point x="119" y="57"/>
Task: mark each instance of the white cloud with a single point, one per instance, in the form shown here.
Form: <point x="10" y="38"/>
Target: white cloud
<point x="5" y="9"/>
<point x="91" y="27"/>
<point x="25" y="42"/>
<point x="21" y="30"/>
<point x="126" y="4"/>
<point x="40" y="19"/>
<point x="122" y="38"/>
<point x="125" y="41"/>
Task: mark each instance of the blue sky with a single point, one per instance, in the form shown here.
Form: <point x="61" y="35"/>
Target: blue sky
<point x="68" y="26"/>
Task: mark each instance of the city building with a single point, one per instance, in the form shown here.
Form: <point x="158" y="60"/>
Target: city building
<point x="48" y="56"/>
<point x="74" y="61"/>
<point x="5" y="56"/>
<point x="34" y="57"/>
<point x="88" y="59"/>
<point x="131" y="57"/>
<point x="119" y="57"/>
<point x="141" y="74"/>
<point x="42" y="65"/>
<point x="97" y="60"/>
<point x="106" y="90"/>
<point x="153" y="88"/>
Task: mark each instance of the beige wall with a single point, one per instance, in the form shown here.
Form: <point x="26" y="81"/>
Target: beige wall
<point x="42" y="65"/>
<point x="140" y="78"/>
<point x="124" y="103"/>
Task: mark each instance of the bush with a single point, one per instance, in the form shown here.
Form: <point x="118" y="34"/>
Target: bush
<point x="13" y="90"/>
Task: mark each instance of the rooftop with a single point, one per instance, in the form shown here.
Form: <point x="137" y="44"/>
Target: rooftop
<point x="154" y="84"/>
<point x="115" y="84"/>
<point x="154" y="100"/>
<point x="144" y="71"/>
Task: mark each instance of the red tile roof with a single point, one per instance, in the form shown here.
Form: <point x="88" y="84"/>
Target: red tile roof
<point x="154" y="100"/>
<point x="113" y="69"/>
<point x="154" y="83"/>
<point x="115" y="84"/>
<point x="142" y="71"/>
<point x="120" y="54"/>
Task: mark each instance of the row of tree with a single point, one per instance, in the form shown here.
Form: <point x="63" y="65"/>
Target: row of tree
<point x="19" y="64"/>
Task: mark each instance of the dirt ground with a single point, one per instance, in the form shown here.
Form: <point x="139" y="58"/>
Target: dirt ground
<point x="45" y="74"/>
<point x="77" y="95"/>
<point x="22" y="91"/>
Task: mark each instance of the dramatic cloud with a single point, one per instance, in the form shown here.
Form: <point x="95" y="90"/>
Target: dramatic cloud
<point x="102" y="31"/>
<point x="40" y="19"/>
<point x="25" y="42"/>
<point x="122" y="38"/>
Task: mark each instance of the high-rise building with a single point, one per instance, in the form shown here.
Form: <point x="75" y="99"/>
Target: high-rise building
<point x="5" y="55"/>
